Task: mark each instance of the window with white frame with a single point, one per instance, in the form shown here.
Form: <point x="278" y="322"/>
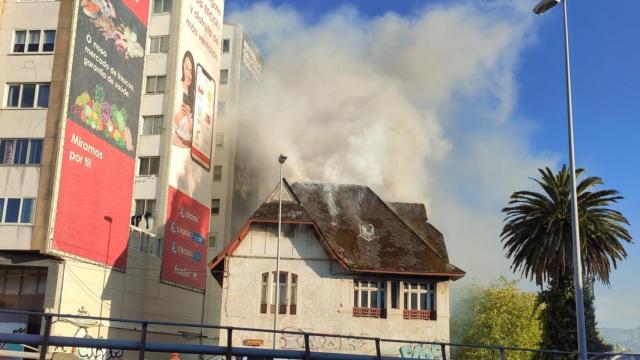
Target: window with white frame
<point x="162" y="6"/>
<point x="369" y="298"/>
<point x="155" y="84"/>
<point x="17" y="210"/>
<point x="288" y="293"/>
<point x="20" y="151"/>
<point x="419" y="300"/>
<point x="19" y="41"/>
<point x="149" y="165"/>
<point x="226" y="45"/>
<point x="28" y="95"/>
<point x="159" y="44"/>
<point x="33" y="41"/>
<point x="221" y="107"/>
<point x="152" y="125"/>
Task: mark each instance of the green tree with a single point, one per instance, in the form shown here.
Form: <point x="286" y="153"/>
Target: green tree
<point x="558" y="319"/>
<point x="537" y="237"/>
<point x="501" y="315"/>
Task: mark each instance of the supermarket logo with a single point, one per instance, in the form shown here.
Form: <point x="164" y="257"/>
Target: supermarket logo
<point x="180" y="250"/>
<point x="186" y="233"/>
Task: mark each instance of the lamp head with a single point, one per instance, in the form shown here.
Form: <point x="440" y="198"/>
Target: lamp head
<point x="545" y="5"/>
<point x="282" y="159"/>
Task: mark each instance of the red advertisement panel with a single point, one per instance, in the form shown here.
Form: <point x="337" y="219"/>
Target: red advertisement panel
<point x="92" y="220"/>
<point x="102" y="111"/>
<point x="185" y="241"/>
<point x="139" y="8"/>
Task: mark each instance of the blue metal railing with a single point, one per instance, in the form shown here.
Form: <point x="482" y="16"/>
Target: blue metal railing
<point x="142" y="345"/>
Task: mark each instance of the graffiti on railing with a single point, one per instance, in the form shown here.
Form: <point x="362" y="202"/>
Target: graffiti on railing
<point x="321" y="343"/>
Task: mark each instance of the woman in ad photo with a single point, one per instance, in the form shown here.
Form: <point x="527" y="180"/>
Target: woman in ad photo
<point x="183" y="119"/>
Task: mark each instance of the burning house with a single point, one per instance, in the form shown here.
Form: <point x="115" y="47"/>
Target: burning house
<point x="350" y="264"/>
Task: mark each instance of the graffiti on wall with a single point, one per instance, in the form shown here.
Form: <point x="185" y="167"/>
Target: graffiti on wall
<point x="82" y="332"/>
<point x="421" y="351"/>
<point x="322" y="343"/>
<point x="356" y="346"/>
<point x="91" y="353"/>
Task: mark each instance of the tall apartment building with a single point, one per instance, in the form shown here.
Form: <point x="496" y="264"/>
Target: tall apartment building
<point x="240" y="65"/>
<point x="54" y="116"/>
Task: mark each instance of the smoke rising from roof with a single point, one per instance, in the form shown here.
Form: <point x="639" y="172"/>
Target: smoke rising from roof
<point x="419" y="108"/>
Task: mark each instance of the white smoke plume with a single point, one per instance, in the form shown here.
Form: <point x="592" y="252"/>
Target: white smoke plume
<point x="417" y="107"/>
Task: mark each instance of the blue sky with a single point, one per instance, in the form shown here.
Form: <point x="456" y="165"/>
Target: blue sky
<point x="606" y="97"/>
<point x="605" y="58"/>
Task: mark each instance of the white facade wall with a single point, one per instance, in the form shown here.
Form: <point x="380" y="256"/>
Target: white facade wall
<point x="21" y="181"/>
<point x="75" y="286"/>
<point x="148" y="187"/>
<point x="226" y="126"/>
<point x="324" y="300"/>
<point x="84" y="288"/>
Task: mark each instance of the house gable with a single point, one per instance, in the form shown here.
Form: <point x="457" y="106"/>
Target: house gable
<point x="356" y="228"/>
<point x="298" y="241"/>
<point x="287" y="194"/>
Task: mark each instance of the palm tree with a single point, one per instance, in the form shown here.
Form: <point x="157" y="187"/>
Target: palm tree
<point x="537" y="237"/>
<point x="537" y="234"/>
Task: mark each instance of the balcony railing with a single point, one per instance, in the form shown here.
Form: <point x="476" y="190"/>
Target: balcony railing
<point x="282" y="310"/>
<point x="419" y="314"/>
<point x="145" y="241"/>
<point x="370" y="312"/>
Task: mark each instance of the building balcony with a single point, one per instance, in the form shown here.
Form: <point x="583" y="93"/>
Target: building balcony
<point x="282" y="310"/>
<point x="370" y="312"/>
<point x="408" y="314"/>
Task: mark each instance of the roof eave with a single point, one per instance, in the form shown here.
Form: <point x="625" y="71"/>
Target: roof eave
<point x="450" y="275"/>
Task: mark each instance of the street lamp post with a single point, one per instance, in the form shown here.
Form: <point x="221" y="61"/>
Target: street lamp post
<point x="540" y="8"/>
<point x="108" y="219"/>
<point x="281" y="160"/>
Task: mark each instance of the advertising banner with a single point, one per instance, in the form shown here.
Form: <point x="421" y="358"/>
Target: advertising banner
<point x="103" y="107"/>
<point x="197" y="66"/>
<point x="203" y="118"/>
<point x="186" y="235"/>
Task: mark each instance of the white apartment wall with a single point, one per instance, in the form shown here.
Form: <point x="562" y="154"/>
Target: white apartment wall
<point x="22" y="180"/>
<point x="15" y="182"/>
<point x="147" y="187"/>
<point x="227" y="124"/>
<point x="28" y="67"/>
<point x="325" y="298"/>
<point x="77" y="285"/>
<point x="135" y="294"/>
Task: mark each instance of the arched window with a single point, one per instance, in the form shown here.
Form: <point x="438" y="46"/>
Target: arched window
<point x="288" y="293"/>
